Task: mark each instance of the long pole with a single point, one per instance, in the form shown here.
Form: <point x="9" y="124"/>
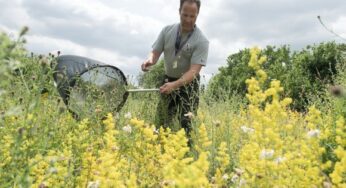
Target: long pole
<point x="142" y="90"/>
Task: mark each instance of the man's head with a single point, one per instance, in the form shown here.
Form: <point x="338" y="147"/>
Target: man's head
<point x="188" y="11"/>
<point x="198" y="3"/>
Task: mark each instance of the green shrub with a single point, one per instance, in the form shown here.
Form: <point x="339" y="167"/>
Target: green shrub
<point x="153" y="78"/>
<point x="302" y="74"/>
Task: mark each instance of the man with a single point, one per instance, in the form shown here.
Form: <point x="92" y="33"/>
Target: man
<point x="185" y="51"/>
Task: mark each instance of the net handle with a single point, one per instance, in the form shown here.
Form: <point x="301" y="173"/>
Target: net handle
<point x="142" y="90"/>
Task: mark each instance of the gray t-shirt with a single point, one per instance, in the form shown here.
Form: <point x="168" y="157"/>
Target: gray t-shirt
<point x="194" y="51"/>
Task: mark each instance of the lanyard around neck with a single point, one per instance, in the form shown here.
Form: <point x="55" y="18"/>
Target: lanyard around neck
<point x="178" y="44"/>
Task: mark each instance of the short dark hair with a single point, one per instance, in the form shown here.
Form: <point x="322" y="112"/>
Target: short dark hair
<point x="198" y="2"/>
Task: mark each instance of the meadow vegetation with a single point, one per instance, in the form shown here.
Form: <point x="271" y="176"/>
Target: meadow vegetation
<point x="266" y="120"/>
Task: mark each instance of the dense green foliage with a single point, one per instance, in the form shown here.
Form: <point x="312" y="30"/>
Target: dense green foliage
<point x="153" y="78"/>
<point x="303" y="73"/>
<point x="10" y="54"/>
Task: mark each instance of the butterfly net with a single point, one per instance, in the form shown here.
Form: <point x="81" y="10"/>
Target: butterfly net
<point x="89" y="87"/>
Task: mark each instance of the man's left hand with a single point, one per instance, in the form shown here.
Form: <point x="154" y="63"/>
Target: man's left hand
<point x="167" y="88"/>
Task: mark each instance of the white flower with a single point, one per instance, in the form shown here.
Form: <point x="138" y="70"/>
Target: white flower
<point x="216" y="122"/>
<point x="127" y="128"/>
<point x="238" y="171"/>
<point x="53" y="160"/>
<point x="53" y="170"/>
<point x="114" y="148"/>
<point x="313" y="133"/>
<point x="93" y="184"/>
<point x="189" y="115"/>
<point x="327" y="185"/>
<point x="234" y="178"/>
<point x="283" y="64"/>
<point x="246" y="129"/>
<point x="242" y="182"/>
<point x="265" y="154"/>
<point x="225" y="177"/>
<point x="279" y="160"/>
<point x="128" y="115"/>
<point x="156" y="131"/>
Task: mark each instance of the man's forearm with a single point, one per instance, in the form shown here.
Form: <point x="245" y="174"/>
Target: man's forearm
<point x="154" y="56"/>
<point x="187" y="77"/>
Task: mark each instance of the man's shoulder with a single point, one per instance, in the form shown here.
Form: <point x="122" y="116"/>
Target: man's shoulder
<point x="201" y="36"/>
<point x="170" y="28"/>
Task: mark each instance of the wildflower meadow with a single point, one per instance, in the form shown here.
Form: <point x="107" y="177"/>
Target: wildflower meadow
<point x="254" y="140"/>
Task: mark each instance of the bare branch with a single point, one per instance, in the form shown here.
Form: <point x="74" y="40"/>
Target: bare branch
<point x="330" y="30"/>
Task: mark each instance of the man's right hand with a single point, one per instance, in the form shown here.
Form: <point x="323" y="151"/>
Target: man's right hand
<point x="146" y="64"/>
<point x="152" y="59"/>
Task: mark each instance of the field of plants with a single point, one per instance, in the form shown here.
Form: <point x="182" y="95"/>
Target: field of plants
<point x="256" y="136"/>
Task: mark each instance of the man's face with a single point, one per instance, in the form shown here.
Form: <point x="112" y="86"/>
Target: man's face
<point x="188" y="16"/>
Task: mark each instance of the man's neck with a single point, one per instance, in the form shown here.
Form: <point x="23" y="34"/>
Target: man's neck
<point x="183" y="32"/>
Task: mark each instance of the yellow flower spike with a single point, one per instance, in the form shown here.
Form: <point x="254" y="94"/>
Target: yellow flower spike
<point x="262" y="60"/>
<point x="286" y="101"/>
<point x="340" y="152"/>
<point x="253" y="63"/>
<point x="253" y="85"/>
<point x="261" y="75"/>
<point x="340" y="123"/>
<point x="149" y="134"/>
<point x="132" y="182"/>
<point x="187" y="175"/>
<point x="270" y="92"/>
<point x="338" y="139"/>
<point x="222" y="156"/>
<point x="137" y="123"/>
<point x="109" y="121"/>
<point x="338" y="174"/>
<point x="289" y="127"/>
<point x="30" y="117"/>
<point x="276" y="128"/>
<point x="276" y="85"/>
<point x="254" y="54"/>
<point x="327" y="165"/>
<point x="314" y="118"/>
<point x="202" y="162"/>
<point x="203" y="141"/>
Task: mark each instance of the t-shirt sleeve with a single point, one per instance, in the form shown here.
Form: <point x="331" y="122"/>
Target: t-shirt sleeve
<point x="200" y="54"/>
<point x="160" y="42"/>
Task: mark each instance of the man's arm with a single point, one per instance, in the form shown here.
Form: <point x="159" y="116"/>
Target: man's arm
<point x="198" y="60"/>
<point x="155" y="54"/>
<point x="183" y="80"/>
<point x="152" y="59"/>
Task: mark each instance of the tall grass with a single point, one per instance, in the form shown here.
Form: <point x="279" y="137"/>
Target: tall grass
<point x="257" y="142"/>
